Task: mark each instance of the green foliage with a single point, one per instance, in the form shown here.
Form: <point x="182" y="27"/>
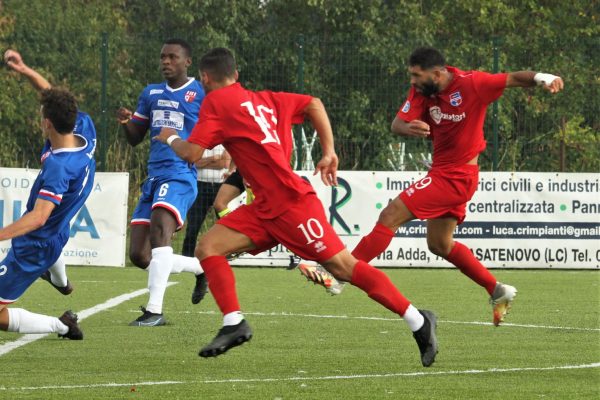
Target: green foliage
<point x="350" y="53"/>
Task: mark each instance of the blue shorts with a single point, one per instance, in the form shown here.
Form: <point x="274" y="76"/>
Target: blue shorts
<point x="25" y="262"/>
<point x="174" y="193"/>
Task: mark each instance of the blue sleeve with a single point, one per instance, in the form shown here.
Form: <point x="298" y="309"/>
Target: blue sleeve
<point x="55" y="181"/>
<point x="141" y="116"/>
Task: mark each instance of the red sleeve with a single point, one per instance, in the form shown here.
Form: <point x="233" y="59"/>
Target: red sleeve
<point x="489" y="87"/>
<point x="413" y="107"/>
<point x="207" y="131"/>
<point x="294" y="103"/>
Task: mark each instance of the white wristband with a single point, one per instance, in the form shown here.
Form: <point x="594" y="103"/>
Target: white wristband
<point x="172" y="138"/>
<point x="544" y="79"/>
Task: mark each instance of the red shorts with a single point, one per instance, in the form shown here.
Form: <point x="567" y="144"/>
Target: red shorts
<point x="442" y="193"/>
<point x="303" y="229"/>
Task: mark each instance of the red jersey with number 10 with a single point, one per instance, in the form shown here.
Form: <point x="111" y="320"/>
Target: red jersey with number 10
<point x="256" y="129"/>
<point x="456" y="115"/>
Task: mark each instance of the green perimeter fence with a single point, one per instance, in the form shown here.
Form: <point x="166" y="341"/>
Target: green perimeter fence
<point x="526" y="130"/>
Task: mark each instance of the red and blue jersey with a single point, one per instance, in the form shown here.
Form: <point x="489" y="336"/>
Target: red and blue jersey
<point x="161" y="106"/>
<point x="456" y="114"/>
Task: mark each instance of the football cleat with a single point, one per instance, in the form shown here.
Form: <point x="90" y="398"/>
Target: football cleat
<point x="501" y="301"/>
<point x="229" y="336"/>
<point x="65" y="290"/>
<point x="426" y="339"/>
<point x="200" y="289"/>
<point x="149" y="319"/>
<point x="70" y="320"/>
<point x="294" y="262"/>
<point x="320" y="276"/>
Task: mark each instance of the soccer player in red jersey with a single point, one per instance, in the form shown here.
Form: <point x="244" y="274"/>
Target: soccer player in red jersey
<point x="255" y="128"/>
<point x="448" y="106"/>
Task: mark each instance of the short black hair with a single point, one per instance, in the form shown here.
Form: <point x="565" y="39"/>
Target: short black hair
<point x="60" y="107"/>
<point x="219" y="63"/>
<point x="184" y="44"/>
<point x="426" y="58"/>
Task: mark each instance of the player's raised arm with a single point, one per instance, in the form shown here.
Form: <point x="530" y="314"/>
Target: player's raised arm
<point x="14" y="60"/>
<point x="327" y="166"/>
<point x="190" y="152"/>
<point x="549" y="82"/>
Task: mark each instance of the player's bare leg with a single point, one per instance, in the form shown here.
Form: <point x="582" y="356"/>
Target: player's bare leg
<point x="440" y="242"/>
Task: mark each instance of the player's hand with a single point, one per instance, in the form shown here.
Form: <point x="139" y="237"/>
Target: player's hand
<point x="124" y="115"/>
<point x="418" y="128"/>
<point x="13" y="59"/>
<point x="555" y="86"/>
<point x="327" y="166"/>
<point x="164" y="134"/>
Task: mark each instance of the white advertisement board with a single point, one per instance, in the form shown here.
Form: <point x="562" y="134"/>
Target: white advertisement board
<point x="98" y="230"/>
<point x="515" y="220"/>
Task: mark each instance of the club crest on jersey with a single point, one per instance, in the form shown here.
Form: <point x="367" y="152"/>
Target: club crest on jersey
<point x="455" y="99"/>
<point x="45" y="155"/>
<point x="190" y="95"/>
<point x="436" y="114"/>
<point x="406" y="107"/>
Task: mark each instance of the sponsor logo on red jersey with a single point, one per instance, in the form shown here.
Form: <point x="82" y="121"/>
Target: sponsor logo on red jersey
<point x="190" y="95"/>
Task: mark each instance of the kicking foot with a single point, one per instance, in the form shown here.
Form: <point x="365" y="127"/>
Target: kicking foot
<point x="320" y="276"/>
<point x="501" y="301"/>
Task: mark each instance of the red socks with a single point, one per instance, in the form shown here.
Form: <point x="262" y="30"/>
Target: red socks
<point x="221" y="283"/>
<point x="461" y="256"/>
<point x="374" y="243"/>
<point x="379" y="287"/>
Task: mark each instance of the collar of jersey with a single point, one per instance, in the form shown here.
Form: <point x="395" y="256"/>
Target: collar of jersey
<point x="71" y="149"/>
<point x="189" y="82"/>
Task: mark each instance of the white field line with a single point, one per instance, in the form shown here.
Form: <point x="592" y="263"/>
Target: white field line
<point x="325" y="316"/>
<point x="133" y="385"/>
<point x="25" y="339"/>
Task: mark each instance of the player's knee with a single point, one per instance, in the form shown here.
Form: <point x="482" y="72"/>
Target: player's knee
<point x="139" y="259"/>
<point x="439" y="248"/>
<point x="204" y="249"/>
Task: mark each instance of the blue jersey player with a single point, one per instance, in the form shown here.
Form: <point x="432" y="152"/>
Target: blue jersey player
<point x="170" y="188"/>
<point x="56" y="275"/>
<point x="38" y="237"/>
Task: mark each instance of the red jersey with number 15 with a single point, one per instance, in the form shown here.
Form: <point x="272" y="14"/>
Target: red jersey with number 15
<point x="456" y="115"/>
<point x="256" y="129"/>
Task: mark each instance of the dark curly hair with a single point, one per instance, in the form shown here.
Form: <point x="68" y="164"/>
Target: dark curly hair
<point x="60" y="107"/>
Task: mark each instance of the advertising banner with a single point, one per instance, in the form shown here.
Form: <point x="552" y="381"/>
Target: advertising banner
<point x="98" y="230"/>
<point x="514" y="220"/>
